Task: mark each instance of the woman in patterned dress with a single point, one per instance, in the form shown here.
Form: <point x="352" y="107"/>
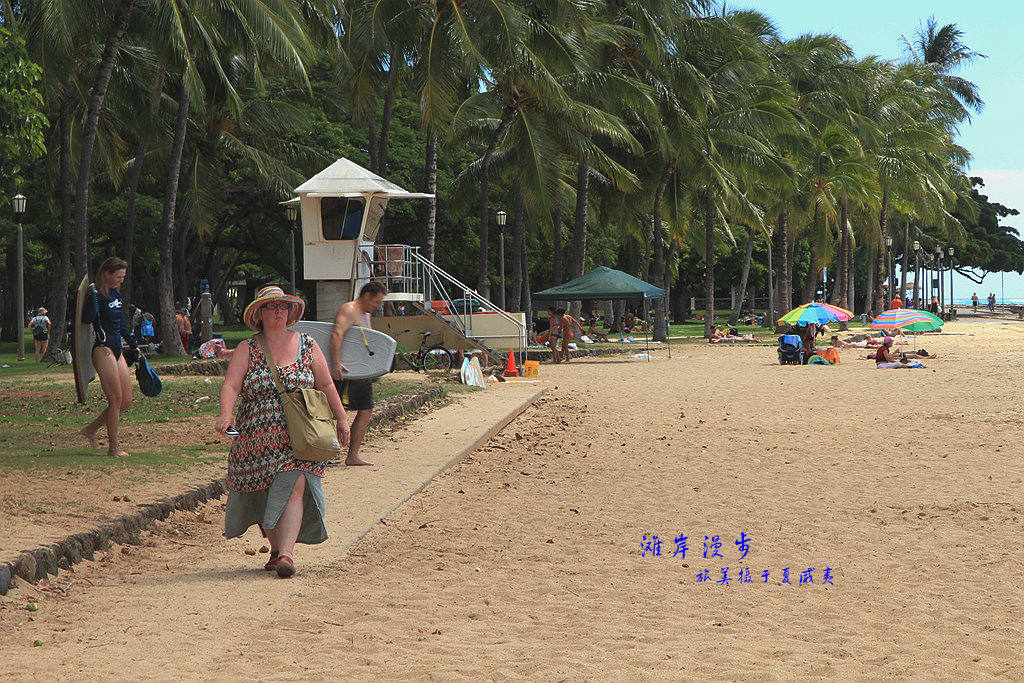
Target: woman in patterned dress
<point x="266" y="484"/>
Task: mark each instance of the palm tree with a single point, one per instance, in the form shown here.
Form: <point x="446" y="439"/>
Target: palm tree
<point x="943" y="50"/>
<point x="203" y="38"/>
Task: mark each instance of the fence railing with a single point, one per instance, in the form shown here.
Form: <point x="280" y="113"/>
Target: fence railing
<point x="402" y="269"/>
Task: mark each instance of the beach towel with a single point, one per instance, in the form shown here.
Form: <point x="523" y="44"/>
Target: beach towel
<point x="831" y="354"/>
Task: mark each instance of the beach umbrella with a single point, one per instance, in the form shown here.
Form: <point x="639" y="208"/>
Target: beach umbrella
<point x="816" y="313"/>
<point x="908" y="319"/>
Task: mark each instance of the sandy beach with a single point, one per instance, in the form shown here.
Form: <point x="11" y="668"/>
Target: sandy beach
<point x="527" y="559"/>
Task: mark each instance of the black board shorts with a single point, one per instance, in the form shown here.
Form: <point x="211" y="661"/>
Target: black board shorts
<point x="40" y="335"/>
<point x="356" y="394"/>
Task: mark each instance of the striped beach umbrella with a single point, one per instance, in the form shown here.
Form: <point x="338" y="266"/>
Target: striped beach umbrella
<point x="815" y="313"/>
<point x="909" y="319"/>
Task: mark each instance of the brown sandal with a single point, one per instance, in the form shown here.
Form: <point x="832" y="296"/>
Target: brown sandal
<point x="285" y="567"/>
<point x="271" y="564"/>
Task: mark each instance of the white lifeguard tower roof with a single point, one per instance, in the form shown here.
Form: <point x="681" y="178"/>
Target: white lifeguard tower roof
<point x="345" y="178"/>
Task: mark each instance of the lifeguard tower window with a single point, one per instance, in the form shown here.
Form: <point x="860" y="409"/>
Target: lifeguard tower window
<point x="341" y="217"/>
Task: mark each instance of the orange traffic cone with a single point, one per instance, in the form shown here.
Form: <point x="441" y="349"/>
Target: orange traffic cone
<point x="510" y="369"/>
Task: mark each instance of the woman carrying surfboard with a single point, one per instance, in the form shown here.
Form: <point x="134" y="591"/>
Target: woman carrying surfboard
<point x="104" y="309"/>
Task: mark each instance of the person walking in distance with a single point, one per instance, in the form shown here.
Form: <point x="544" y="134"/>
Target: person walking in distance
<point x="355" y="394"/>
<point x="184" y="328"/>
<point x="40" y="326"/>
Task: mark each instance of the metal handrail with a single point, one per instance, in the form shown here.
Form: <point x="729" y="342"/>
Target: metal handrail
<point x="418" y="275"/>
<point x="437" y="273"/>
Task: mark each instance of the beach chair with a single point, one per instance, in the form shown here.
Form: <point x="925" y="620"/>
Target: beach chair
<point x="790" y="350"/>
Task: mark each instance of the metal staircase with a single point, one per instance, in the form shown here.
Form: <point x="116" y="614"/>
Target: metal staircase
<point x="411" y="278"/>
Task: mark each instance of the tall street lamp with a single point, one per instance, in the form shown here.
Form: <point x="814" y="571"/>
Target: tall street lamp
<point x="888" y="263"/>
<point x="917" y="271"/>
<point x="293" y="222"/>
<point x="500" y="219"/>
<point x="938" y="274"/>
<point x="952" y="308"/>
<point x="20" y="202"/>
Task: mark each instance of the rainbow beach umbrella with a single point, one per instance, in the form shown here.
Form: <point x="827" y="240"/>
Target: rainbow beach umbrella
<point x="909" y="319"/>
<point x="815" y="313"/>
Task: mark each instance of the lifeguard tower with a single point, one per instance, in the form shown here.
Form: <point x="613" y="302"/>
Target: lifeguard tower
<point x="341" y="208"/>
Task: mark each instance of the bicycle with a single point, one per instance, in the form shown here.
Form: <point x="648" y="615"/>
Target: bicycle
<point x="429" y="357"/>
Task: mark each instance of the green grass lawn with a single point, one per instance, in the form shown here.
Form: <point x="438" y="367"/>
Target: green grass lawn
<point x="40" y="421"/>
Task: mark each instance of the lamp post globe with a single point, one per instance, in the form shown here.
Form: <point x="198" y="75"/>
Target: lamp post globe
<point x="500" y="219"/>
<point x="292" y="211"/>
<point x="19" y="204"/>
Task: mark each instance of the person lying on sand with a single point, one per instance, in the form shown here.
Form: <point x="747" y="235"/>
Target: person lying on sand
<point x="716" y="334"/>
<point x="867" y="343"/>
<point x="734" y="335"/>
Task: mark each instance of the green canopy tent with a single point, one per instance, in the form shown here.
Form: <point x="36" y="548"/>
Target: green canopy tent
<point x="603" y="283"/>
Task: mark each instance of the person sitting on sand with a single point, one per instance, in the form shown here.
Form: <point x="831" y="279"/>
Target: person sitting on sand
<point x="886" y="359"/>
<point x="716" y="335"/>
<point x="628" y="322"/>
<point x="594" y="333"/>
<point x="808" y="333"/>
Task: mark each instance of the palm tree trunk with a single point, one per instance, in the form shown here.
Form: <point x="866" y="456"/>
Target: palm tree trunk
<point x="483" y="263"/>
<point x="669" y="260"/>
<point x="738" y="307"/>
<point x="785" y="286"/>
<point x="556" y="244"/>
<point x="879" y="274"/>
<point x="165" y="284"/>
<point x="430" y="236"/>
<point x="709" y="262"/>
<point x="851" y="270"/>
<point x="869" y="293"/>
<point x="133" y="190"/>
<point x="59" y="291"/>
<point x="579" y="229"/>
<point x="385" y="127"/>
<point x="518" y="245"/>
<point x="97" y="95"/>
<point x="373" y="143"/>
<point x="523" y="256"/>
<point x="843" y="260"/>
<point x="814" y="271"/>
<point x="904" y="262"/>
<point x="660" y="309"/>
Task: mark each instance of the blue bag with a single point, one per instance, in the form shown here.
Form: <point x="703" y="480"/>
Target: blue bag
<point x="149" y="381"/>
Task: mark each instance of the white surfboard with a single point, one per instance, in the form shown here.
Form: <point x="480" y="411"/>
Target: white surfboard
<point x="472" y="373"/>
<point x="365" y="352"/>
<point x="82" y="338"/>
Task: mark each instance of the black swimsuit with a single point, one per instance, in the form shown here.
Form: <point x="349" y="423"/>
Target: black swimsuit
<point x="111" y="326"/>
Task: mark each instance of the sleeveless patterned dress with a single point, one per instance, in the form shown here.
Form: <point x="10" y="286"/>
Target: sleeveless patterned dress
<point x="262" y="448"/>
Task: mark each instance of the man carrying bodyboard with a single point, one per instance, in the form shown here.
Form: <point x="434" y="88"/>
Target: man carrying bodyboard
<point x="356" y="394"/>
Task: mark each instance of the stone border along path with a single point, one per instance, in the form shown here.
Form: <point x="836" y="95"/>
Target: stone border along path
<point x="34" y="565"/>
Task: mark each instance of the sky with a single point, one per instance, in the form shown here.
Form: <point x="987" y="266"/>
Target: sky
<point x="875" y="27"/>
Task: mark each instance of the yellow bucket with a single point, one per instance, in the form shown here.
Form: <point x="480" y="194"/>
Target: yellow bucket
<point x="530" y="368"/>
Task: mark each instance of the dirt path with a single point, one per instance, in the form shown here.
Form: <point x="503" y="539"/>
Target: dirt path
<point x="525" y="560"/>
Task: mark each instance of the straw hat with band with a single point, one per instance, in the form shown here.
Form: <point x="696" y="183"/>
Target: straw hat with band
<point x="265" y="296"/>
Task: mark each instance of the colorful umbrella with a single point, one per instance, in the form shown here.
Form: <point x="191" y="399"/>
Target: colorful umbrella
<point x="815" y="313"/>
<point x="908" y="319"/>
